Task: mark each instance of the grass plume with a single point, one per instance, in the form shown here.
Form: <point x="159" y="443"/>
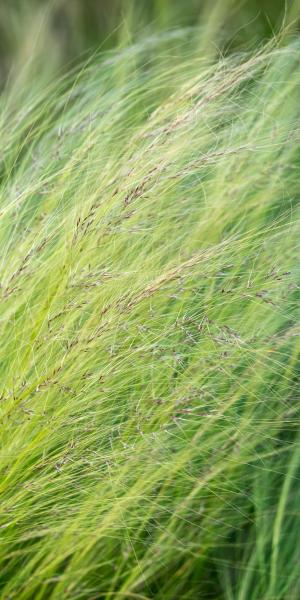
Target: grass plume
<point x="149" y="234"/>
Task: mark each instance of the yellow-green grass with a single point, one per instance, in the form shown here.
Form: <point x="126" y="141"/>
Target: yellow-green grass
<point x="149" y="236"/>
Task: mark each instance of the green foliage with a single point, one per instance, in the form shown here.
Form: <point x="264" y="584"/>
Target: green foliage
<point x="149" y="234"/>
<point x="59" y="31"/>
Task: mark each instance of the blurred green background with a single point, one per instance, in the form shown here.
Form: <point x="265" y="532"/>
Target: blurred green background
<point x="58" y="32"/>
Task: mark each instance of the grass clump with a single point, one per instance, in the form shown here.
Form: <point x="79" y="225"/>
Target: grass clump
<point x="149" y="324"/>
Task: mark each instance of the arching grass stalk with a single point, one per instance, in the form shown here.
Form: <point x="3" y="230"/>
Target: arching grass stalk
<point x="149" y="235"/>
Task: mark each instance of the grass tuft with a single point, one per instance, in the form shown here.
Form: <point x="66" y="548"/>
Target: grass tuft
<point x="149" y="234"/>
